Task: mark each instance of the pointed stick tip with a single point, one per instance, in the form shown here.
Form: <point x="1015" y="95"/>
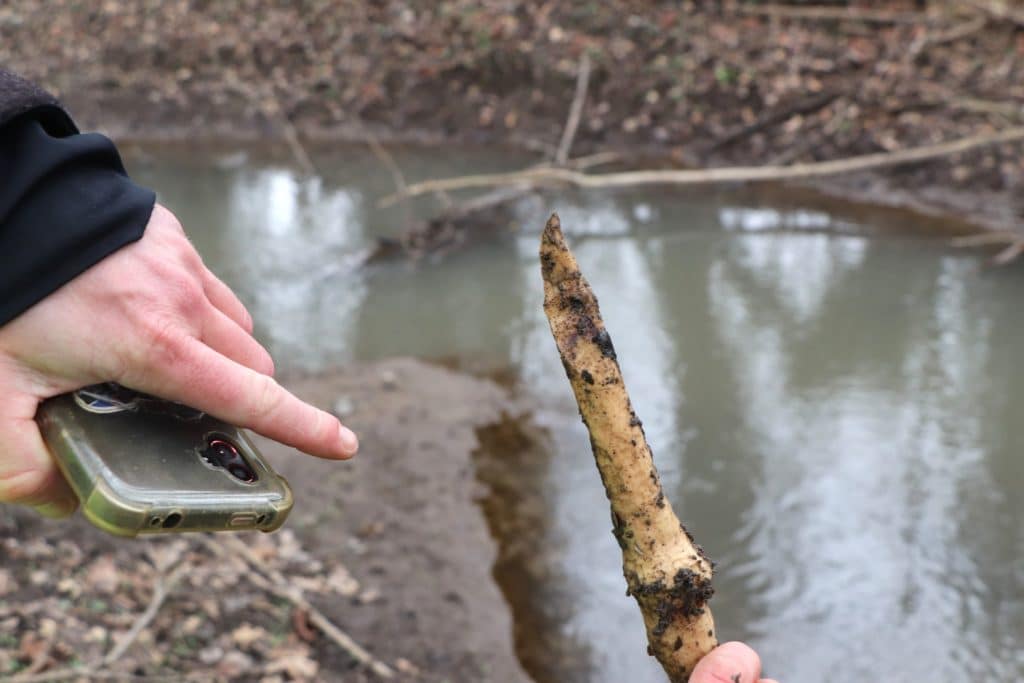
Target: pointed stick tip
<point x="553" y="232"/>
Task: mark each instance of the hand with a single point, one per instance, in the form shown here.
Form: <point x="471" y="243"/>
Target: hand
<point x="153" y="318"/>
<point x="729" y="663"/>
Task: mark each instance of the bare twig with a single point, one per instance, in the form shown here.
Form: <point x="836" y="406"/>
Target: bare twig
<point x="808" y="105"/>
<point x="59" y="675"/>
<point x="1014" y="242"/>
<point x="272" y="108"/>
<point x="274" y="582"/>
<point x="965" y="30"/>
<point x="291" y="136"/>
<point x="1010" y="254"/>
<point x="575" y="111"/>
<point x="547" y="175"/>
<point x="985" y="239"/>
<point x="868" y="16"/>
<point x="592" y="160"/>
<point x="999" y="10"/>
<point x="387" y="160"/>
<point x="100" y="670"/>
<point x="1011" y="110"/>
<point x="163" y="588"/>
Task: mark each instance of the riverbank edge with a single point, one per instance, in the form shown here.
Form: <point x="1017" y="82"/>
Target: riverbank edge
<point x="962" y="211"/>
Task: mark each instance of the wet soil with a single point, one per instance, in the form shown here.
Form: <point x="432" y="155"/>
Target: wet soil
<point x="391" y="546"/>
<point x="511" y="461"/>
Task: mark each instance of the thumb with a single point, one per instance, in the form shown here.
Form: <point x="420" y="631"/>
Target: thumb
<point x="729" y="663"/>
<point x="28" y="474"/>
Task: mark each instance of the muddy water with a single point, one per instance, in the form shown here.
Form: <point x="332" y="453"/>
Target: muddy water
<point x="833" y="401"/>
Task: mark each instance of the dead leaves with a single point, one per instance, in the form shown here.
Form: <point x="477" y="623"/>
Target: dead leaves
<point x="80" y="609"/>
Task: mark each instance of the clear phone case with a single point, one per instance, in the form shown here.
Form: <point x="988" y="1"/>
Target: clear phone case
<point x="140" y="465"/>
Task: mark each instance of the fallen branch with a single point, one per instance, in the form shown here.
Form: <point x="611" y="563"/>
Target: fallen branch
<point x="100" y="670"/>
<point x="274" y="582"/>
<point x="291" y="136"/>
<point x="1013" y="244"/>
<point x="817" y="13"/>
<point x="985" y="239"/>
<point x="999" y="10"/>
<point x="454" y="225"/>
<point x="575" y="111"/>
<point x="104" y="675"/>
<point x="1010" y="254"/>
<point x="548" y="175"/>
<point x="163" y="588"/>
<point x="1011" y="110"/>
<point x="929" y="40"/>
<point x="669" y="576"/>
<point x="388" y="161"/>
<point x="806" y="106"/>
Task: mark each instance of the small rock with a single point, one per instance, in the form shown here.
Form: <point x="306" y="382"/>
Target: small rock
<point x="298" y="666"/>
<point x="388" y="379"/>
<point x="102" y="576"/>
<point x="211" y="655"/>
<point x="355" y="546"/>
<point x="234" y="664"/>
<point x="342" y="582"/>
<point x="369" y="596"/>
<point x="406" y="667"/>
<point x="96" y="634"/>
<point x="67" y="586"/>
<point x="191" y="624"/>
<point x="48" y="628"/>
<point x="6" y="582"/>
<point x="344" y="406"/>
<point x="247" y="634"/>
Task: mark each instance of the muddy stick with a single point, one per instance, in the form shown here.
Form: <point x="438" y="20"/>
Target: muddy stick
<point x="665" y="571"/>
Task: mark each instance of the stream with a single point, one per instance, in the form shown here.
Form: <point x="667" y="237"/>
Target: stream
<point x="831" y="393"/>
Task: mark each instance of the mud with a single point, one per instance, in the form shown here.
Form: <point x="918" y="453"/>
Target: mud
<point x="401" y="517"/>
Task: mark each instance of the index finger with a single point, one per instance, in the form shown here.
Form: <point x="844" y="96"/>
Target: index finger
<point x="206" y="380"/>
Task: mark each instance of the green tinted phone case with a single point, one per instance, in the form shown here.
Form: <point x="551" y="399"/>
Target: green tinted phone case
<point x="143" y="465"/>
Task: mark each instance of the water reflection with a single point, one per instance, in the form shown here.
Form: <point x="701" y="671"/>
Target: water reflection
<point x="859" y="480"/>
<point x="835" y="417"/>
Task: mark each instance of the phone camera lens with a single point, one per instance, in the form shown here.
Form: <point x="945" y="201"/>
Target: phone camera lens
<point x="223" y="453"/>
<point x="242" y="473"/>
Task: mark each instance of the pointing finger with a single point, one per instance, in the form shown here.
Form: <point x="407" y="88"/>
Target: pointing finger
<point x="204" y="379"/>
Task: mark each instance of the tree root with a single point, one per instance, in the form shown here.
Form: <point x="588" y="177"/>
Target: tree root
<point x="667" y="574"/>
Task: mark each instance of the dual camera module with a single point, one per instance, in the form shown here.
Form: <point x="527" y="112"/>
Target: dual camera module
<point x="223" y="454"/>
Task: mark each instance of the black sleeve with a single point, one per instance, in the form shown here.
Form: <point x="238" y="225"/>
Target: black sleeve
<point x="65" y="199"/>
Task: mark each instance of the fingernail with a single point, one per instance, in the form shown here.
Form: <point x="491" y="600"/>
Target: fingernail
<point x="56" y="510"/>
<point x="349" y="441"/>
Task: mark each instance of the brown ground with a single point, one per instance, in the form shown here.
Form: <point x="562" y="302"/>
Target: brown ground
<point x="391" y="546"/>
<point x="696" y="83"/>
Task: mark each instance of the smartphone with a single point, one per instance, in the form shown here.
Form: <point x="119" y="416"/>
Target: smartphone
<point x="143" y="465"/>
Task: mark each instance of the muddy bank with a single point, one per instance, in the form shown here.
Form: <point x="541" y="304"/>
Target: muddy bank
<point x="700" y="84"/>
<point x="391" y="546"/>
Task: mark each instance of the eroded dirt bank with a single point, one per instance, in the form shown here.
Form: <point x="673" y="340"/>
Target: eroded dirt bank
<point x="693" y="83"/>
<point x="391" y="546"/>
